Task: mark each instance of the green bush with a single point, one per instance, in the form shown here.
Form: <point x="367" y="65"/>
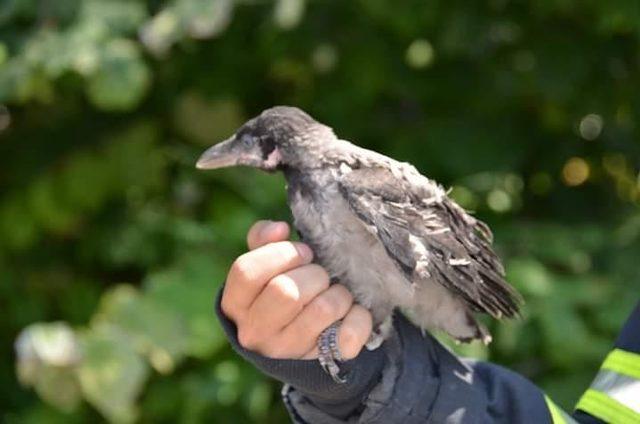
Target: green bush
<point x="112" y="245"/>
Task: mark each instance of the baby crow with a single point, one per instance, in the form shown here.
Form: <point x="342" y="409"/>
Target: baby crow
<point x="391" y="235"/>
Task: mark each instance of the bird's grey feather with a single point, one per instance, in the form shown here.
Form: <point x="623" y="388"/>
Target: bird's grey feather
<point x="431" y="239"/>
<point x="352" y="251"/>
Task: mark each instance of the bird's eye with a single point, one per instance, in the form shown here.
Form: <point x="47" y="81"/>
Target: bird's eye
<point x="247" y="141"/>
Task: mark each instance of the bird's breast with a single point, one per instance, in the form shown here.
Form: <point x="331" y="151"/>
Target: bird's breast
<point x="343" y="244"/>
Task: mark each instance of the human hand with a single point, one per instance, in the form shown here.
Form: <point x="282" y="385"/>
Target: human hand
<point x="280" y="302"/>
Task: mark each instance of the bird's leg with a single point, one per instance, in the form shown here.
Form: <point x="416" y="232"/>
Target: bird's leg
<point x="329" y="353"/>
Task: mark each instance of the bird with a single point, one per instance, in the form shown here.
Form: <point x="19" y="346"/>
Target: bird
<point x="392" y="236"/>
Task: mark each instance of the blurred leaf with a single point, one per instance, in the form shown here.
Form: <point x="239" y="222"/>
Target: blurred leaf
<point x="111" y="374"/>
<point x="558" y="320"/>
<point x="205" y="18"/>
<point x="530" y="276"/>
<point x="122" y="78"/>
<point x="159" y="33"/>
<point x="188" y="289"/>
<point x="207" y="122"/>
<point x="152" y="330"/>
<point x="46" y="356"/>
<point x="120" y="16"/>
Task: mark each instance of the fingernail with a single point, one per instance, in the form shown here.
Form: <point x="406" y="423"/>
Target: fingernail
<point x="270" y="228"/>
<point x="304" y="251"/>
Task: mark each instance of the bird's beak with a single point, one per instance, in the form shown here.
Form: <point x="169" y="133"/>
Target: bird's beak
<point x="218" y="156"/>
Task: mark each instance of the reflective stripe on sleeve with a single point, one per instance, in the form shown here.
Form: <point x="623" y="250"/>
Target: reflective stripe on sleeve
<point x="607" y="409"/>
<point x="623" y="362"/>
<point x="623" y="389"/>
<point x="558" y="416"/>
<point x="614" y="395"/>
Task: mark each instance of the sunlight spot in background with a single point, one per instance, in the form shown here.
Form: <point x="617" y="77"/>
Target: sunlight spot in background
<point x="227" y="372"/>
<point x="575" y="172"/>
<point x="161" y="361"/>
<point x="86" y="62"/>
<point x="624" y="175"/>
<point x="419" y="54"/>
<point x="513" y="183"/>
<point x="159" y="33"/>
<point x="590" y="126"/>
<point x="53" y="344"/>
<point x="287" y="14"/>
<point x="498" y="191"/>
<point x="324" y="58"/>
<point x="198" y="19"/>
<point x="498" y="200"/>
<point x="209" y="18"/>
<point x="465" y="197"/>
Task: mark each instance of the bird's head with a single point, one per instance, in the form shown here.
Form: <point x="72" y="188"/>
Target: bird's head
<point x="278" y="137"/>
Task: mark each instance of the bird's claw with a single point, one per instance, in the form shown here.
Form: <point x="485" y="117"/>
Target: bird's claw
<point x="329" y="353"/>
<point x="379" y="334"/>
<point x="374" y="342"/>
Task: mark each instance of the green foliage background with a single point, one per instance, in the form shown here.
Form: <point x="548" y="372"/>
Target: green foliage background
<point x="115" y="244"/>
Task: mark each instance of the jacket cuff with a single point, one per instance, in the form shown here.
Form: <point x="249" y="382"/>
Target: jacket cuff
<point x="406" y="391"/>
<point x="309" y="379"/>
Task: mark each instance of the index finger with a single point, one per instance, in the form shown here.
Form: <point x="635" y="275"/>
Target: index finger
<point x="252" y="271"/>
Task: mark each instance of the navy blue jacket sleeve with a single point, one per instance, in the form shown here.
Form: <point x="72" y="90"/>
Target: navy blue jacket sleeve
<point x="412" y="378"/>
<point x="423" y="382"/>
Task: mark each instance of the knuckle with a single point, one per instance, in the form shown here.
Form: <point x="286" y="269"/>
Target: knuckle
<point x="343" y="293"/>
<point x="227" y="307"/>
<point x="367" y="319"/>
<point x="351" y="351"/>
<point x="247" y="338"/>
<point x="321" y="274"/>
<point x="276" y="351"/>
<point x="286" y="251"/>
<point x="284" y="290"/>
<point x="241" y="269"/>
<point x="325" y="307"/>
<point x="350" y="337"/>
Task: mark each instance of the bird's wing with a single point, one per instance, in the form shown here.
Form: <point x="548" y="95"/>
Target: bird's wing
<point x="429" y="236"/>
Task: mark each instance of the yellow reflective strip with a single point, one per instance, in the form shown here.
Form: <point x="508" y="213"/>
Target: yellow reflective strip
<point x="602" y="406"/>
<point x="623" y="362"/>
<point x="557" y="416"/>
<point x="622" y="388"/>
